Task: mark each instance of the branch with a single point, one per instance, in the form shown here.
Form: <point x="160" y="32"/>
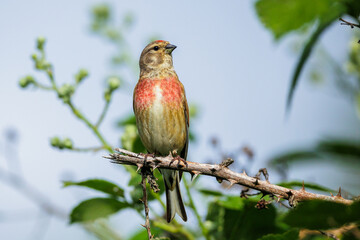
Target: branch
<point x="352" y="25"/>
<point x="222" y="172"/>
<point x="144" y="200"/>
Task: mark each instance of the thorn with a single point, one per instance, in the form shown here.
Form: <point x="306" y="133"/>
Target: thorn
<point x="331" y="194"/>
<point x="219" y="180"/>
<point x="244" y="172"/>
<point x="194" y="174"/>
<point x="303" y="187"/>
<point x="227" y="162"/>
<point x="139" y="166"/>
<point x="143" y="226"/>
<point x="232" y="182"/>
<point x="339" y="193"/>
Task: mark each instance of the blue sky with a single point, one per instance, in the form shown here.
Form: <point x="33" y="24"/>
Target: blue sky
<point x="229" y="64"/>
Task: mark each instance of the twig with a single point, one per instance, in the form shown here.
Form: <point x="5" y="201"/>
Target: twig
<point x="222" y="173"/>
<point x="103" y="113"/>
<point x="352" y="25"/>
<point x="144" y="200"/>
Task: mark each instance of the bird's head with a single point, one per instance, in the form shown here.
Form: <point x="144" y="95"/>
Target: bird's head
<point x="156" y="56"/>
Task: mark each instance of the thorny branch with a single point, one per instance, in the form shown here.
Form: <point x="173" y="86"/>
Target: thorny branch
<point x="144" y="175"/>
<point x="222" y="172"/>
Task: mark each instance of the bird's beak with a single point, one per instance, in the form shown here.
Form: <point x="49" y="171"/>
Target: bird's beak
<point x="169" y="48"/>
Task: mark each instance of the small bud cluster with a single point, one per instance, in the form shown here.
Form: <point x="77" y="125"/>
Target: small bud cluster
<point x="65" y="92"/>
<point x="113" y="83"/>
<point x="65" y="143"/>
<point x="40" y="62"/>
<point x="26" y="81"/>
<point x="81" y="75"/>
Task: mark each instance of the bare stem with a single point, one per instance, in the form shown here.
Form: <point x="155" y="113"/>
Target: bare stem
<point x="222" y="172"/>
<point x="103" y="114"/>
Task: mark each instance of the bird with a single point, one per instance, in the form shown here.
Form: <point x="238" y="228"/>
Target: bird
<point x="162" y="116"/>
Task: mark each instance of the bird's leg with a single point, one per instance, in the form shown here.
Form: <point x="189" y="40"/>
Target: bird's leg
<point x="177" y="158"/>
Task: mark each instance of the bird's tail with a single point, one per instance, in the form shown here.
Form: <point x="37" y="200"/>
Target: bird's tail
<point x="174" y="202"/>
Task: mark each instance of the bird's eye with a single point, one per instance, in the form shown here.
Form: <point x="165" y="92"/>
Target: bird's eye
<point x="156" y="48"/>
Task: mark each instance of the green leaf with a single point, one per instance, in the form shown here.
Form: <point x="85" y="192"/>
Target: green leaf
<point x="129" y="120"/>
<point x="237" y="218"/>
<point x="292" y="234"/>
<point x="210" y="192"/>
<point x="131" y="141"/>
<point x="322" y="215"/>
<point x="334" y="150"/>
<point x="313" y="186"/>
<point x="95" y="208"/>
<point x="284" y="16"/>
<point x="99" y="185"/>
<point x="340" y="147"/>
<point x="142" y="234"/>
<point x="292" y="156"/>
<point x="303" y="58"/>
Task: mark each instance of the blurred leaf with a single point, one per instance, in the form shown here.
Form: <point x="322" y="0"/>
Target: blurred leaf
<point x="129" y="120"/>
<point x="284" y="16"/>
<point x="322" y="215"/>
<point x="335" y="150"/>
<point x="99" y="185"/>
<point x="303" y="58"/>
<point x="292" y="234"/>
<point x="237" y="218"/>
<point x="142" y="234"/>
<point x="357" y="104"/>
<point x="313" y="186"/>
<point x="210" y="192"/>
<point x="95" y="208"/>
<point x="193" y="111"/>
<point x="353" y="8"/>
<point x="340" y="147"/>
<point x="131" y="141"/>
<point x="292" y="156"/>
<point x="232" y="202"/>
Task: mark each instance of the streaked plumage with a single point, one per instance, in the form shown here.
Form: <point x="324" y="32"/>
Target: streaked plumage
<point x="162" y="115"/>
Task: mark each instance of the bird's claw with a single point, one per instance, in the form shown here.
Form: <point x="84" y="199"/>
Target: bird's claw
<point x="179" y="159"/>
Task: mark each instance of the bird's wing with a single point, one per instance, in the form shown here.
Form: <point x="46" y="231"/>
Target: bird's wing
<point x="183" y="153"/>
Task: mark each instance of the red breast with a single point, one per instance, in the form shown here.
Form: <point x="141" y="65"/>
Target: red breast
<point x="171" y="92"/>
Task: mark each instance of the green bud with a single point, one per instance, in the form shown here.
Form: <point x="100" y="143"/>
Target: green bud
<point x="114" y="83"/>
<point x="101" y="13"/>
<point x="67" y="143"/>
<point x="26" y="81"/>
<point x="55" y="141"/>
<point x="66" y="91"/>
<point x="40" y="43"/>
<point x="81" y="75"/>
<point x="34" y="57"/>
